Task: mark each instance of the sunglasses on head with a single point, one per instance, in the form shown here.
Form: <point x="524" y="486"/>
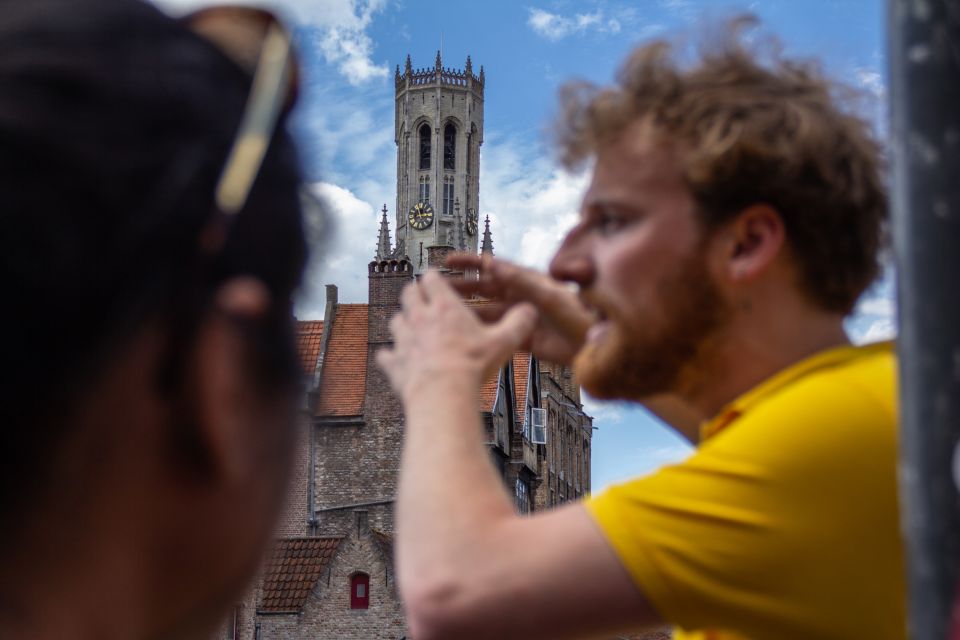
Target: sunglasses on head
<point x="257" y="42"/>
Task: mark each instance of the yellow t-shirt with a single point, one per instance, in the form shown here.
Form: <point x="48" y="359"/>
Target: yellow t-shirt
<point x="784" y="523"/>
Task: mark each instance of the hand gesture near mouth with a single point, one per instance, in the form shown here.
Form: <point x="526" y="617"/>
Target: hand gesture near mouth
<point x="440" y="343"/>
<point x="562" y="321"/>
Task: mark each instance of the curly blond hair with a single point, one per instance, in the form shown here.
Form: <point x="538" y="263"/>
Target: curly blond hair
<point x="752" y="127"/>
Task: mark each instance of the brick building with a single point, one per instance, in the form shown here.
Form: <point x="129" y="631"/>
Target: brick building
<point x="330" y="575"/>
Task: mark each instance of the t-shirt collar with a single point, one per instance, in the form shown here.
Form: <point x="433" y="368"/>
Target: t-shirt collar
<point x="820" y="360"/>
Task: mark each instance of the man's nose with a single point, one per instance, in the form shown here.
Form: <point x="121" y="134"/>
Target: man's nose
<point x="573" y="262"/>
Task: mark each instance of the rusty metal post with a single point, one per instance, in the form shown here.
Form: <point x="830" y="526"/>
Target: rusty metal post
<point x="925" y="107"/>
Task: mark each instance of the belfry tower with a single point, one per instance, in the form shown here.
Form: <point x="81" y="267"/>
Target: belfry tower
<point x="439" y="130"/>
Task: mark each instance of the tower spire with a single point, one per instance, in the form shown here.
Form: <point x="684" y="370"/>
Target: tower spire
<point x="487" y="246"/>
<point x="383" y="241"/>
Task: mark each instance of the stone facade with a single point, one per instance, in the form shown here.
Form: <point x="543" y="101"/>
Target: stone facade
<point x="438" y="131"/>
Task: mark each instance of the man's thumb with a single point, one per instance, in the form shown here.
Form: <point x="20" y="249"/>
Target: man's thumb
<point x="514" y="327"/>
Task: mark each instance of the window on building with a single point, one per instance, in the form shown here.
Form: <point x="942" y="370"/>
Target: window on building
<point x="448" y="196"/>
<point x="425" y="146"/>
<point x="360" y="591"/>
<point x="424" y="188"/>
<point x="469" y="152"/>
<point x="449" y="147"/>
<point x="523" y="496"/>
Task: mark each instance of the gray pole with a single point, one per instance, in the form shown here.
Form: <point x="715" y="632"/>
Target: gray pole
<point x="925" y="107"/>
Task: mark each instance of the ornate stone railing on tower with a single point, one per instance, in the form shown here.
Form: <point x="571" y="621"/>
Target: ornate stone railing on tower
<point x="440" y="75"/>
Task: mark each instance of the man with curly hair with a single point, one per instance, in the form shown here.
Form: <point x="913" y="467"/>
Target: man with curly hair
<point x="734" y="215"/>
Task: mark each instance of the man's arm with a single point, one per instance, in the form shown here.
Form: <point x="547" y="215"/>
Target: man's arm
<point x="467" y="565"/>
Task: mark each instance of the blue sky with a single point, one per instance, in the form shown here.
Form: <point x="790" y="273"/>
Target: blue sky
<point x="344" y="125"/>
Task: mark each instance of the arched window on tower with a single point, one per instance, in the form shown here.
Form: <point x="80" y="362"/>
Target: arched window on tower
<point x="359" y="591"/>
<point x="449" y="147"/>
<point x="469" y="151"/>
<point x="425" y="146"/>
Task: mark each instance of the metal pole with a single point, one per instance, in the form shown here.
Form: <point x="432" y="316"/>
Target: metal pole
<point x="925" y="107"/>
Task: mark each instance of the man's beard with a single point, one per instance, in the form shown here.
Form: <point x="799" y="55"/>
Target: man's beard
<point x="636" y="359"/>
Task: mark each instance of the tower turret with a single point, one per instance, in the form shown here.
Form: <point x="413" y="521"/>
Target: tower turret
<point x="383" y="240"/>
<point x="439" y="130"/>
<point x="487" y="247"/>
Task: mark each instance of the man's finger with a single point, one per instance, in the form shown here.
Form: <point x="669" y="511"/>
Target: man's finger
<point x="437" y="288"/>
<point x="411" y="297"/>
<point x="514" y="328"/>
<point x="462" y="260"/>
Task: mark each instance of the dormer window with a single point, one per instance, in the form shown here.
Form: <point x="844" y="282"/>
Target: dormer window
<point x="360" y="591"/>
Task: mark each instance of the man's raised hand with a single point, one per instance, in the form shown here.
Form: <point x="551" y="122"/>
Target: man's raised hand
<point x="438" y="340"/>
<point x="562" y="322"/>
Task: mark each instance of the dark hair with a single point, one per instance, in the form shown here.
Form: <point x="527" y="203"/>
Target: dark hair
<point x="753" y="131"/>
<point x="115" y="122"/>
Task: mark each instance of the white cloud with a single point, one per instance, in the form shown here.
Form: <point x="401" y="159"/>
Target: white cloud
<point x="683" y="9"/>
<point x="531" y="202"/>
<point x="554" y="26"/>
<point x="344" y="263"/>
<point x="879" y="306"/>
<point x="871" y="80"/>
<point x="343" y="23"/>
<point x="876" y="331"/>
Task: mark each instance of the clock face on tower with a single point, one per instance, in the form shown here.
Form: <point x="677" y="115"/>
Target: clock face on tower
<point x="421" y="215"/>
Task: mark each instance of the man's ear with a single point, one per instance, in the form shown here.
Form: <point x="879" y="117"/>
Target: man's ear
<point x="225" y="405"/>
<point x="753" y="240"/>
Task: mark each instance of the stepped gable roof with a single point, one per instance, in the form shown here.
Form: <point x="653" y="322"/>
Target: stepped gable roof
<point x="309" y="333"/>
<point x="292" y="572"/>
<point x="344" y="376"/>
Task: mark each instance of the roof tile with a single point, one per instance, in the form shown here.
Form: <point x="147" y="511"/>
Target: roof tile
<point x="309" y="333"/>
<point x="344" y="376"/>
<point x="293" y="571"/>
<point x="521" y="376"/>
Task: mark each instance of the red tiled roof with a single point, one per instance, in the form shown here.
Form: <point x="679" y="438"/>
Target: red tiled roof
<point x="488" y="393"/>
<point x="344" y="376"/>
<point x="293" y="570"/>
<point x="309" y="333"/>
<point x="521" y="376"/>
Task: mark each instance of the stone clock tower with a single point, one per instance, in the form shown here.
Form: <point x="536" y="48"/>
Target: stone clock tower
<point x="439" y="130"/>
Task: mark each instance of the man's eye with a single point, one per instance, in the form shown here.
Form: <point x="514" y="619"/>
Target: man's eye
<point x="609" y="223"/>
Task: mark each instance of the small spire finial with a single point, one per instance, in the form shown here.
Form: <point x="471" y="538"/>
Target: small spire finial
<point x="469" y="68"/>
<point x="487" y="246"/>
<point x="383" y="240"/>
<point x="438" y="59"/>
<point x="397" y="75"/>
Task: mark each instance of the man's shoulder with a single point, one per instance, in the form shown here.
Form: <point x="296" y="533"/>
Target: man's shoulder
<point x="846" y="383"/>
<point x="843" y="410"/>
<point x="863" y="381"/>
